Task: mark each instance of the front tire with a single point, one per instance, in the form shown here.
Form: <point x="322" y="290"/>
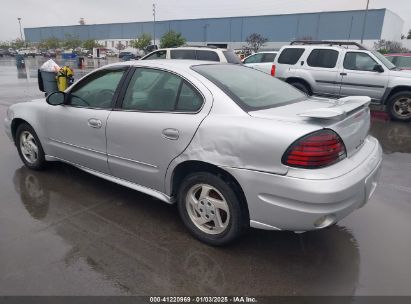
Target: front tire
<point x="210" y="209"/>
<point x="399" y="106"/>
<point x="29" y="147"/>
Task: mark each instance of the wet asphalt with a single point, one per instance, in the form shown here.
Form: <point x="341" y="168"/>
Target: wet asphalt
<point x="65" y="232"/>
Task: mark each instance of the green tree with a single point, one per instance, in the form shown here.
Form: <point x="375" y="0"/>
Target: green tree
<point x="71" y="42"/>
<point x="141" y="42"/>
<point x="409" y="34"/>
<point x="4" y="45"/>
<point x="255" y="41"/>
<point x="172" y="39"/>
<point x="17" y="44"/>
<point x="49" y="43"/>
<point x="90" y="44"/>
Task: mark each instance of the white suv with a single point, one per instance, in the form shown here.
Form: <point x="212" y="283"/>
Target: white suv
<point x="195" y="53"/>
<point x="338" y="69"/>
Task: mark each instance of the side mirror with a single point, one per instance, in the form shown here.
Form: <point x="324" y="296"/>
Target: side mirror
<point x="378" y="68"/>
<point x="56" y="98"/>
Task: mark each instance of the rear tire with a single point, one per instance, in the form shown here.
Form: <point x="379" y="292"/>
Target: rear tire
<point x="210" y="209"/>
<point x="399" y="106"/>
<point x="29" y="147"/>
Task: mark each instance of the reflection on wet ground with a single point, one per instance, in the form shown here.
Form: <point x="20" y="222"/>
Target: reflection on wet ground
<point x="65" y="232"/>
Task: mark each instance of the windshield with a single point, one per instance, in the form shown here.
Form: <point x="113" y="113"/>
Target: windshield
<point x="384" y="60"/>
<point x="250" y="89"/>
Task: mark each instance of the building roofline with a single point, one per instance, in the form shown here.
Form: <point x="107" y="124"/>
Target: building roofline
<point x="210" y="18"/>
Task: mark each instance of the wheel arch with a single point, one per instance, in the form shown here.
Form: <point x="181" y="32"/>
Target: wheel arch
<point x="15" y="123"/>
<point x="290" y="80"/>
<point x="395" y="90"/>
<point x="189" y="166"/>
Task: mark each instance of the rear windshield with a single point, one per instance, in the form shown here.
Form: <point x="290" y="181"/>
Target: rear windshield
<point x="290" y="55"/>
<point x="251" y="89"/>
<point x="231" y="57"/>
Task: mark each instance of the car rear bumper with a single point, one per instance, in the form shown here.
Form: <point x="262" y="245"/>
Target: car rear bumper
<point x="281" y="202"/>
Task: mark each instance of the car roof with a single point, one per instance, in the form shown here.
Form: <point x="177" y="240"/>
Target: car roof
<point x="193" y="48"/>
<point x="184" y="64"/>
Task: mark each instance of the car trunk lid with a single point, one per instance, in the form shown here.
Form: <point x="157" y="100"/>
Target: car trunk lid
<point x="349" y="117"/>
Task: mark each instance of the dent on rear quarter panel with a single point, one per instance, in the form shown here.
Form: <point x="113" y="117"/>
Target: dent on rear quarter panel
<point x="242" y="142"/>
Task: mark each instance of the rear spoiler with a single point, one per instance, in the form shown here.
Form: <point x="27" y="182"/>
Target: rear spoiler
<point x="341" y="108"/>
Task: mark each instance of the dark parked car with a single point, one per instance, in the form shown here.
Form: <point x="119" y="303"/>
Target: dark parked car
<point x="129" y="55"/>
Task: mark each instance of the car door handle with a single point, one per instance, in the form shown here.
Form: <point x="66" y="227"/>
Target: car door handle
<point x="343" y="74"/>
<point x="94" y="123"/>
<point x="170" y="133"/>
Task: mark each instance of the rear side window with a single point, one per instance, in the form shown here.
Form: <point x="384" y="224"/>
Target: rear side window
<point x="231" y="57"/>
<point x="183" y="54"/>
<point x="290" y="55"/>
<point x="268" y="57"/>
<point x="322" y="58"/>
<point x="207" y="55"/>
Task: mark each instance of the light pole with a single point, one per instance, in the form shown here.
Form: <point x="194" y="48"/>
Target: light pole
<point x="365" y="21"/>
<point x="154" y="24"/>
<point x="205" y="33"/>
<point x="21" y="34"/>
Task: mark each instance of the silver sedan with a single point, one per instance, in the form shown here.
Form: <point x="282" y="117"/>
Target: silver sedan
<point x="232" y="146"/>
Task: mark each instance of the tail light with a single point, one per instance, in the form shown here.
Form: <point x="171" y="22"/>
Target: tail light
<point x="273" y="70"/>
<point x="316" y="150"/>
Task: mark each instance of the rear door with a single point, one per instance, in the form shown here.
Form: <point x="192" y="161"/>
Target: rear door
<point x="159" y="115"/>
<point x="322" y="66"/>
<point x="359" y="77"/>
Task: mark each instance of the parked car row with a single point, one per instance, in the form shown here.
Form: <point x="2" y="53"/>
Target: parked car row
<point x="336" y="69"/>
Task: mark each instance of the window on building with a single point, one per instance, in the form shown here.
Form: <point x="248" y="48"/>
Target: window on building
<point x="290" y="55"/>
<point x="105" y="43"/>
<point x="322" y="58"/>
<point x="126" y="43"/>
<point x="112" y="43"/>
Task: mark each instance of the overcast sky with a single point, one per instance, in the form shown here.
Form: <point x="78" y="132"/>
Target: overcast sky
<point x="58" y="12"/>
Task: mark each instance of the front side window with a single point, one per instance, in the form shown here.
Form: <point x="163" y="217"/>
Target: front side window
<point x="290" y="55"/>
<point x="97" y="90"/>
<point x="322" y="58"/>
<point x="183" y="54"/>
<point x="157" y="55"/>
<point x="152" y="90"/>
<point x="207" y="55"/>
<point x="359" y="61"/>
<point x="250" y="89"/>
<point x="256" y="58"/>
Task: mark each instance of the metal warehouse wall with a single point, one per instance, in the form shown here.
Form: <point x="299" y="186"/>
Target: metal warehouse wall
<point x="324" y="25"/>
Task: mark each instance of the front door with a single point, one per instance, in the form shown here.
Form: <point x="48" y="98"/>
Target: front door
<point x="359" y="78"/>
<point x="159" y="116"/>
<point x="76" y="130"/>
